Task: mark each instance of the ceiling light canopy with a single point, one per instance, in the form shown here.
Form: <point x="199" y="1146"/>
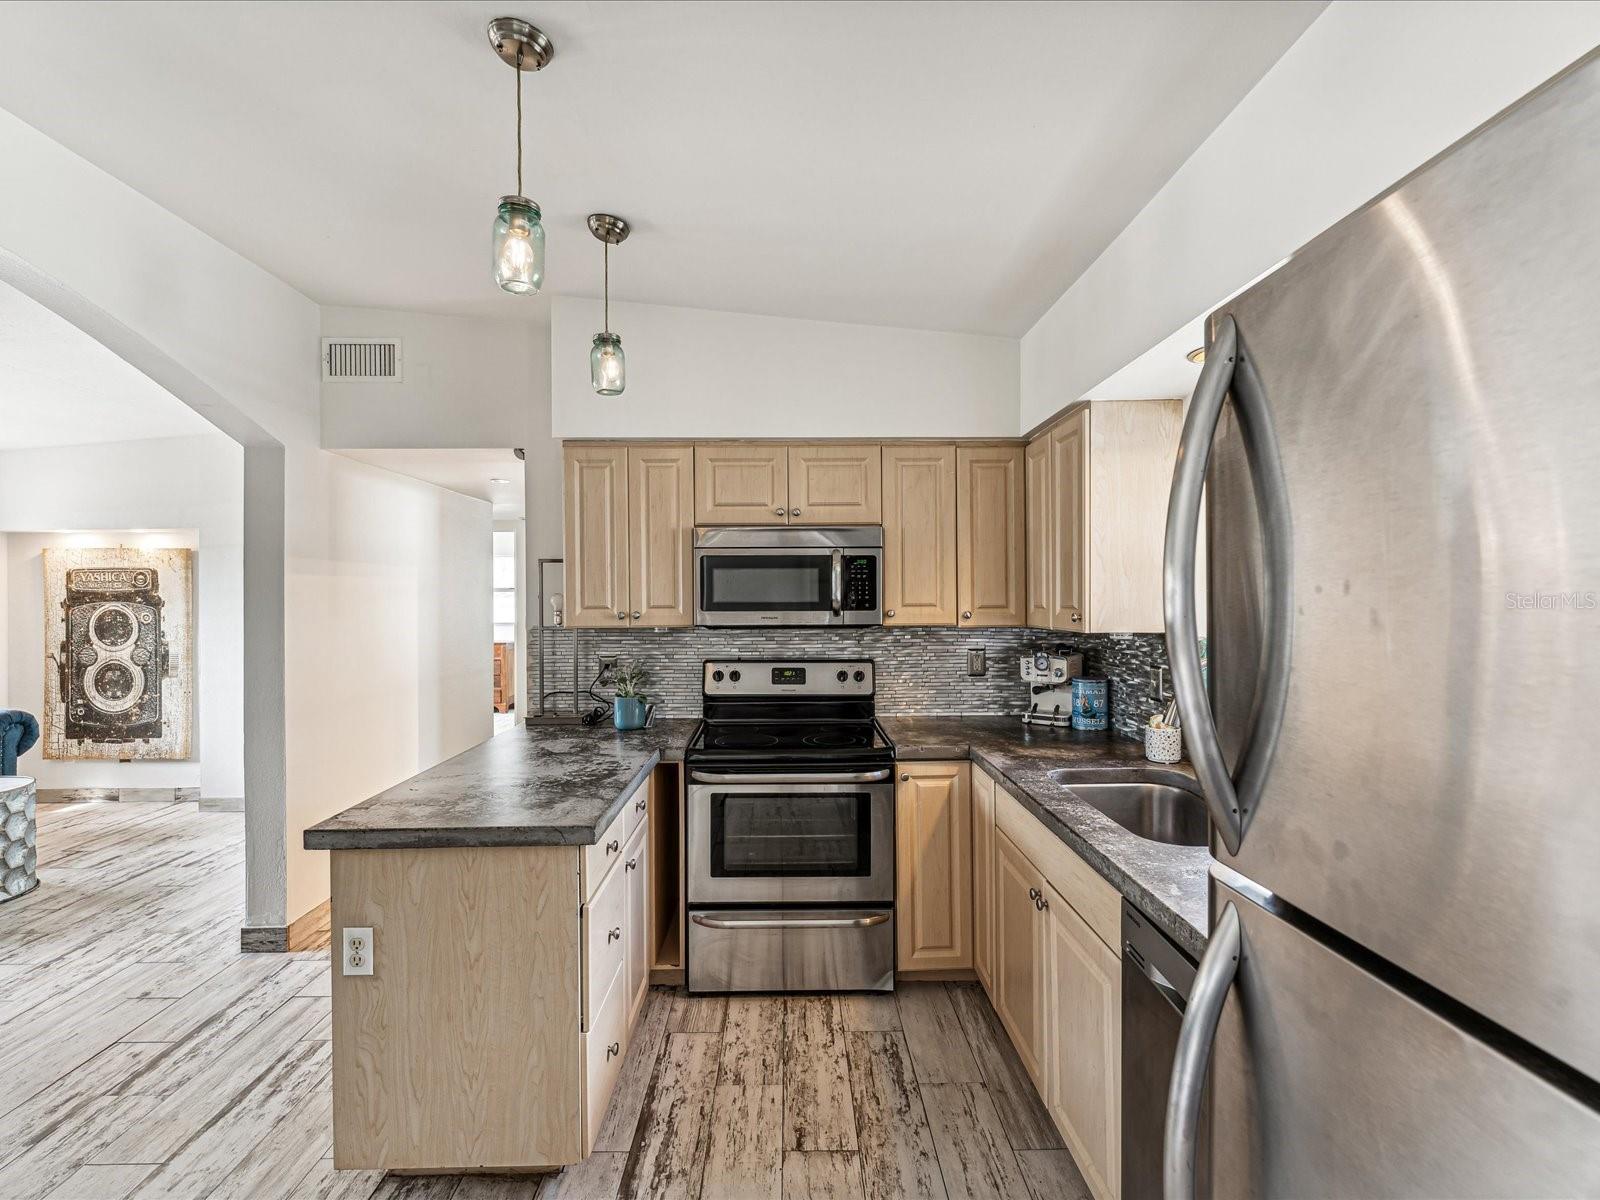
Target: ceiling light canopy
<point x="518" y="231"/>
<point x="608" y="369"/>
<point x="1197" y="355"/>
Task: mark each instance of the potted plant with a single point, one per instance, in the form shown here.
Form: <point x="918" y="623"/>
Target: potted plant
<point x="629" y="710"/>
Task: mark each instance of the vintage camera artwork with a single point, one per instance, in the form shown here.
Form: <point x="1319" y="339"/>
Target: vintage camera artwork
<point x="114" y="654"/>
<point x="120" y="651"/>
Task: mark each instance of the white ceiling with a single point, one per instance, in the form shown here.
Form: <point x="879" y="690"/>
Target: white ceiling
<point x="469" y="472"/>
<point x="937" y="166"/>
<point x="60" y="387"/>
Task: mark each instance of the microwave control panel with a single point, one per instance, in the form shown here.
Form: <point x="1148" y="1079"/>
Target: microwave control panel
<point x="860" y="582"/>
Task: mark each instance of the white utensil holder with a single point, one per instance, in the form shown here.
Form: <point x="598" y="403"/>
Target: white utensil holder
<point x="1164" y="745"/>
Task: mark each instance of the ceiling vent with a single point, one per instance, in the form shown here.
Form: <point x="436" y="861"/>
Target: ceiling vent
<point x="361" y="360"/>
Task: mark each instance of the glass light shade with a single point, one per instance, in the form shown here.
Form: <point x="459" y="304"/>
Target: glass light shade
<point x="608" y="370"/>
<point x="518" y="246"/>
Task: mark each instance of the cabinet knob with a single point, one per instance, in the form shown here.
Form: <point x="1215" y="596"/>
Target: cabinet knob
<point x="613" y="1050"/>
<point x="615" y="935"/>
<point x="905" y="778"/>
<point x="613" y="846"/>
<point x="966" y="616"/>
<point x="1033" y="894"/>
<point x="778" y="512"/>
<point x="631" y="864"/>
<point x="794" y="512"/>
<point x="636" y="615"/>
<point x="1076" y="617"/>
<point x="621" y="615"/>
<point x="890" y="613"/>
<point x="638" y="805"/>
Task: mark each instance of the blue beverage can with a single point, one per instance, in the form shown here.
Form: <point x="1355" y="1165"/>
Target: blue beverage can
<point x="1089" y="709"/>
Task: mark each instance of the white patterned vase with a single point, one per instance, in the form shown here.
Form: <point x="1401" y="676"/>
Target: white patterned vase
<point x="19" y="832"/>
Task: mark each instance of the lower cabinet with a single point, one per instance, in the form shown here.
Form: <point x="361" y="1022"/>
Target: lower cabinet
<point x="933" y="867"/>
<point x="1056" y="984"/>
<point x="983" y="877"/>
<point x="520" y="968"/>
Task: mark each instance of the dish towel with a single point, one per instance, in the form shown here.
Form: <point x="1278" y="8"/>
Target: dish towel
<point x="18" y="732"/>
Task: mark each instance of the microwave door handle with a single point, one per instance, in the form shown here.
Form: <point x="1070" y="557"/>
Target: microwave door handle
<point x="838" y="581"/>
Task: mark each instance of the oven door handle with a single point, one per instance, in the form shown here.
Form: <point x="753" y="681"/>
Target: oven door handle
<point x="792" y="923"/>
<point x="808" y="777"/>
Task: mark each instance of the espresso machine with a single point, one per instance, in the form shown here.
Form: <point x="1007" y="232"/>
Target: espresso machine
<point x="1049" y="672"/>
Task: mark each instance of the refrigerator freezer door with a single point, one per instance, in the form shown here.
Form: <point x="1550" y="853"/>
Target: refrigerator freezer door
<point x="1431" y="366"/>
<point x="1326" y="1081"/>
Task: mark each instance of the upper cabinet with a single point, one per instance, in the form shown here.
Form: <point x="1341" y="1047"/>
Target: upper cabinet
<point x="741" y="483"/>
<point x="836" y="483"/>
<point x="919" y="535"/>
<point x="629" y="534"/>
<point x="1097" y="482"/>
<point x="991" y="574"/>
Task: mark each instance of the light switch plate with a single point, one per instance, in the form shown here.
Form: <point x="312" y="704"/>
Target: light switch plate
<point x="356" y="951"/>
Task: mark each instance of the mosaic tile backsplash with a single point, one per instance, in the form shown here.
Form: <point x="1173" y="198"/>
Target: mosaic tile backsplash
<point x="920" y="670"/>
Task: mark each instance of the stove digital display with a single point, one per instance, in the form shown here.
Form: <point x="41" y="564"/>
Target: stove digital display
<point x="795" y="675"/>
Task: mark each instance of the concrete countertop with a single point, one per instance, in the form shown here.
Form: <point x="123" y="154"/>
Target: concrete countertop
<point x="561" y="785"/>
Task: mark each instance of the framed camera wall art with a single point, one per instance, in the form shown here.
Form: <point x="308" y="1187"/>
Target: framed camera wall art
<point x="119" y="653"/>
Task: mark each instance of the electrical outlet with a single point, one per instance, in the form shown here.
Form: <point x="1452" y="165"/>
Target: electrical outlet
<point x="357" y="954"/>
<point x="608" y="662"/>
<point x="977" y="661"/>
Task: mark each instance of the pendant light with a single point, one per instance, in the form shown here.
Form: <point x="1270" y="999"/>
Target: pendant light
<point x="518" y="233"/>
<point x="608" y="370"/>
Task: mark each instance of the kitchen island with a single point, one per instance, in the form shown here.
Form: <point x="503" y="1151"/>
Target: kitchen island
<point x="520" y="896"/>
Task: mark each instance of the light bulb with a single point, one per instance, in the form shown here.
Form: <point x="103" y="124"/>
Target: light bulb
<point x="518" y="246"/>
<point x="608" y="369"/>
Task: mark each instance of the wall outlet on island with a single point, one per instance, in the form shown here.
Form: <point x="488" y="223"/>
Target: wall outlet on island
<point x="356" y="955"/>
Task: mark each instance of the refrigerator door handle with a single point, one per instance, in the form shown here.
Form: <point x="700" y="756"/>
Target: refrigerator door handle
<point x="1228" y="368"/>
<point x="1189" y="1064"/>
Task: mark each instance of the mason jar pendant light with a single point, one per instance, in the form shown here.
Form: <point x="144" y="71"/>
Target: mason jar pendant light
<point x="518" y="233"/>
<point x="608" y="370"/>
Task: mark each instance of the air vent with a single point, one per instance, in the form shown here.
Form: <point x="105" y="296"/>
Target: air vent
<point x="361" y="360"/>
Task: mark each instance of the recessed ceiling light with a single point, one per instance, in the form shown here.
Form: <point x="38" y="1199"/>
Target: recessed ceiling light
<point x="1197" y="355"/>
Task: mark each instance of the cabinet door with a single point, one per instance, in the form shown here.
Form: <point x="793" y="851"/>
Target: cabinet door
<point x="991" y="571"/>
<point x="1133" y="445"/>
<point x="933" y="867"/>
<point x="741" y="483"/>
<point x="1083" y="1020"/>
<point x="1069" y="471"/>
<point x="660" y="535"/>
<point x="983" y="877"/>
<point x="636" y="875"/>
<point x="919" y="535"/>
<point x="596" y="485"/>
<point x="832" y="484"/>
<point x="1040" y="521"/>
<point x="1019" y="954"/>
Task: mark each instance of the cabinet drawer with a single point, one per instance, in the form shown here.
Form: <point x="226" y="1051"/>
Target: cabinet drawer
<point x="1096" y="901"/>
<point x="606" y="853"/>
<point x="603" y="1049"/>
<point x="605" y="942"/>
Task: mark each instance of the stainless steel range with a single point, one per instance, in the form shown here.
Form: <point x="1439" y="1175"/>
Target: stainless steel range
<point x="790" y="830"/>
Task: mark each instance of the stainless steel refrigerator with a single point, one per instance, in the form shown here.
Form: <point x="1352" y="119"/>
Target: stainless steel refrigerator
<point x="1398" y="433"/>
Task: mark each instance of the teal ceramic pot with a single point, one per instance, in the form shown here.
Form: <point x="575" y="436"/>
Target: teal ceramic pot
<point x="629" y="712"/>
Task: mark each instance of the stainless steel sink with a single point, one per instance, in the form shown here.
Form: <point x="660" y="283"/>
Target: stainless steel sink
<point x="1156" y="811"/>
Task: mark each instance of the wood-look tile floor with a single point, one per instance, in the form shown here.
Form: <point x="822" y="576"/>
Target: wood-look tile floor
<point x="142" y="1056"/>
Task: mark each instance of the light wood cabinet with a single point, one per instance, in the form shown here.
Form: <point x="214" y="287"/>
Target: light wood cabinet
<point x="991" y="568"/>
<point x="919" y="535"/>
<point x="660" y="505"/>
<point x="933" y="867"/>
<point x="629" y="536"/>
<point x="596" y="492"/>
<point x="741" y="483"/>
<point x="1097" y="486"/>
<point x="834" y="483"/>
<point x="640" y="951"/>
<point x="1083" y="1076"/>
<point x="983" y="877"/>
<point x="1019" y="953"/>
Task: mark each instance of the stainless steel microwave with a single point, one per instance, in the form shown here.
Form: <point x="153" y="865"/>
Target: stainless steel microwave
<point x="764" y="575"/>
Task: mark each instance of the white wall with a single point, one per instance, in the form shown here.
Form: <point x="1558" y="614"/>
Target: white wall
<point x="192" y="487"/>
<point x="696" y="373"/>
<point x="1369" y="92"/>
<point x="240" y="346"/>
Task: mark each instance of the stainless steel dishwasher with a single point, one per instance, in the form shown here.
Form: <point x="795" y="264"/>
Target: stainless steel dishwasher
<point x="1156" y="978"/>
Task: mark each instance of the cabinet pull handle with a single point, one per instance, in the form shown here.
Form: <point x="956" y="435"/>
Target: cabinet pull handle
<point x="631" y="864"/>
<point x="613" y="846"/>
<point x="615" y="935"/>
<point x="613" y="1050"/>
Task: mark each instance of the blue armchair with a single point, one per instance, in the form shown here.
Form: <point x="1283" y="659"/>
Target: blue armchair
<point x="18" y="732"/>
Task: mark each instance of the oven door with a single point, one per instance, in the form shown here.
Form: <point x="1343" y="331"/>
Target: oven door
<point x="785" y="839"/>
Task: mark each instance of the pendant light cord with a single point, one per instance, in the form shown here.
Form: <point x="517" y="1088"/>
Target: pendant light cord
<point x="605" y="275"/>
<point x="519" y="120"/>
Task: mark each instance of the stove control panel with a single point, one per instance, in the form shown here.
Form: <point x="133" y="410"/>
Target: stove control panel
<point x="788" y="677"/>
